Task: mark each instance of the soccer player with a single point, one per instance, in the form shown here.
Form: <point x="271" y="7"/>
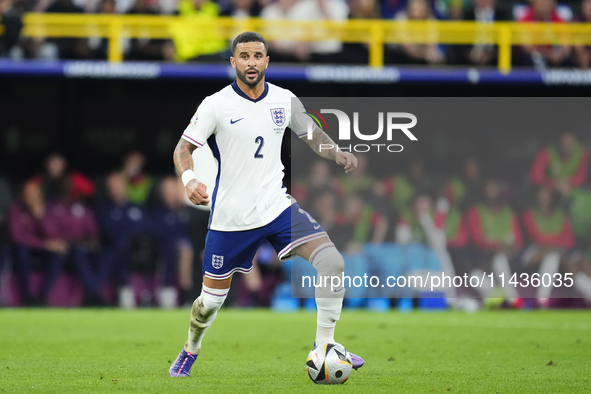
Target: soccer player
<point x="243" y="124"/>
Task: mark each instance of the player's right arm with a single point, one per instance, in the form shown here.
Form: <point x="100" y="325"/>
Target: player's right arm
<point x="183" y="161"/>
<point x="201" y="127"/>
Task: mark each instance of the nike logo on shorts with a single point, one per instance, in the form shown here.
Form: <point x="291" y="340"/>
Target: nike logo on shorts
<point x="316" y="227"/>
<point x="234" y="121"/>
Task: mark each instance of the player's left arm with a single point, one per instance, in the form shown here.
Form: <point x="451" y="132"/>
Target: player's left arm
<point x="325" y="147"/>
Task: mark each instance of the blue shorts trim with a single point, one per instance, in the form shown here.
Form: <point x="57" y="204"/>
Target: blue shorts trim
<point x="227" y="252"/>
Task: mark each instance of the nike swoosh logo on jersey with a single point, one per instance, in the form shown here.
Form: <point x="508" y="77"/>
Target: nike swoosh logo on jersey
<point x="316" y="227"/>
<point x="234" y="121"/>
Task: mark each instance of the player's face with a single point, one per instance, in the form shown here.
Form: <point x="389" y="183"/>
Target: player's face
<point x="250" y="61"/>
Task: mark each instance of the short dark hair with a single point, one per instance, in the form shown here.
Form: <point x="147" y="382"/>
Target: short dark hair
<point x="249" y="36"/>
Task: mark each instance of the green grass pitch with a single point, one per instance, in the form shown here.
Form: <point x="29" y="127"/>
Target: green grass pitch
<point x="59" y="351"/>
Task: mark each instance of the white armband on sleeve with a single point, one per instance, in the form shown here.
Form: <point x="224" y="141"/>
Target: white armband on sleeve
<point x="188" y="176"/>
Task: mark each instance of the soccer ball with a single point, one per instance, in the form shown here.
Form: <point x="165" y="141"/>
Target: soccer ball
<point x="329" y="364"/>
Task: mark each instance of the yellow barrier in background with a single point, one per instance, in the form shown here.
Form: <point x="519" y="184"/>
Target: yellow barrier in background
<point x="373" y="32"/>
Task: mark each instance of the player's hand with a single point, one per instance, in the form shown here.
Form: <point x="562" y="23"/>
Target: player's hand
<point x="346" y="159"/>
<point x="197" y="193"/>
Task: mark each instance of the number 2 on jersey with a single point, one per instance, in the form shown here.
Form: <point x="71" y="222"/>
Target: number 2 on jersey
<point x="261" y="141"/>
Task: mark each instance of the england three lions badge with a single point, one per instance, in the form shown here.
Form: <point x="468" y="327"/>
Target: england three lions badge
<point x="217" y="261"/>
<point x="278" y="116"/>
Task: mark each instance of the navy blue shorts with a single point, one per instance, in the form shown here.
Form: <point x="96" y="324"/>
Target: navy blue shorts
<point x="229" y="251"/>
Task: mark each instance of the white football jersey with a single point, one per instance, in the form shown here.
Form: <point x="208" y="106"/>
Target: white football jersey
<point x="245" y="137"/>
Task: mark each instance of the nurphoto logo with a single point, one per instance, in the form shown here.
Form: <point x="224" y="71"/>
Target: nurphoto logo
<point x="392" y="120"/>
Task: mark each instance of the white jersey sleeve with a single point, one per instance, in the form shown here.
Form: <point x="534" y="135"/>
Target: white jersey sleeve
<point x="203" y="123"/>
<point x="299" y="121"/>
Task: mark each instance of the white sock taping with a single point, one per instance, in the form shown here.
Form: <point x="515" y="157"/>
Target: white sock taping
<point x="203" y="313"/>
<point x="328" y="262"/>
<point x="324" y="335"/>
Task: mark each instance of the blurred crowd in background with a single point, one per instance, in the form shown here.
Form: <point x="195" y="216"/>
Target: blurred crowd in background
<point x="128" y="222"/>
<point x="470" y="222"/>
<point x="195" y="47"/>
<point x="101" y="230"/>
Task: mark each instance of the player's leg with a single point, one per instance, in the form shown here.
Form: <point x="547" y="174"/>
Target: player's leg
<point x="225" y="253"/>
<point x="323" y="256"/>
<point x="298" y="233"/>
<point x="329" y="263"/>
<point x="203" y="312"/>
<point x="205" y="309"/>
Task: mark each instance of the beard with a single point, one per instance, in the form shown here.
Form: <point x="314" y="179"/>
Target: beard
<point x="250" y="83"/>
